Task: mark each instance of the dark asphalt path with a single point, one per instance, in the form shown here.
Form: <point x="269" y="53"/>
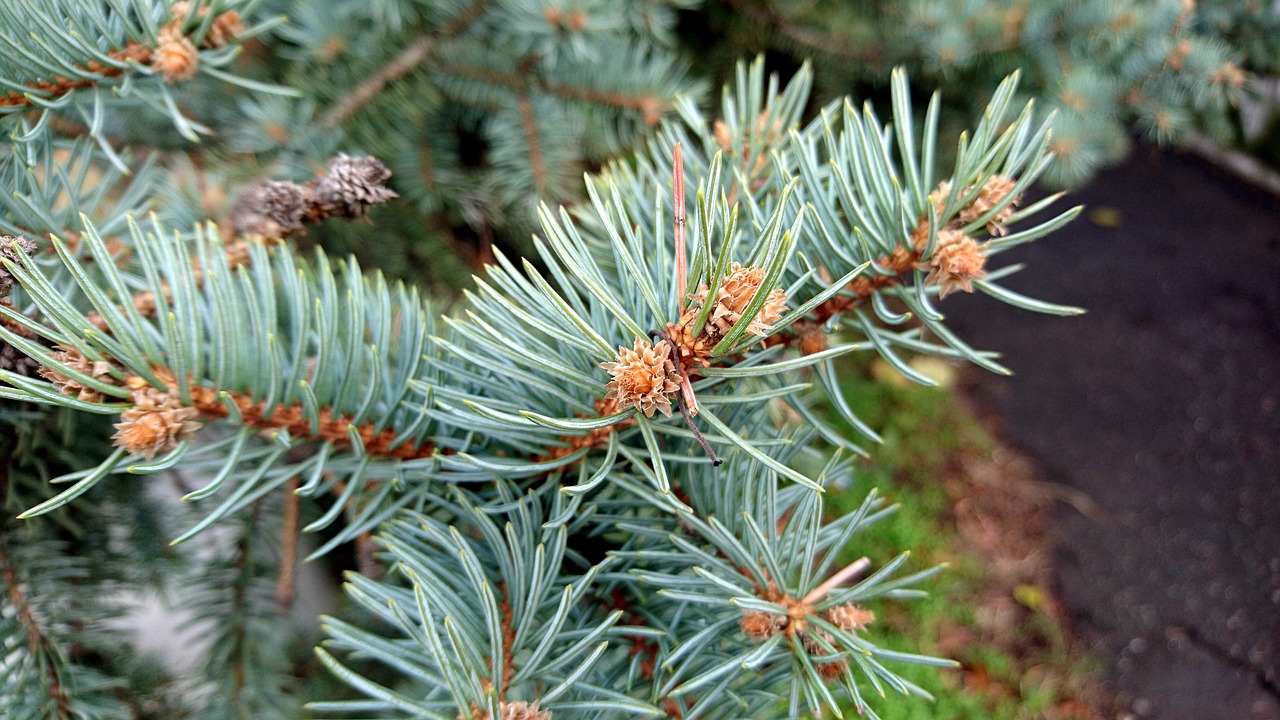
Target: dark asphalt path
<point x="1162" y="404"/>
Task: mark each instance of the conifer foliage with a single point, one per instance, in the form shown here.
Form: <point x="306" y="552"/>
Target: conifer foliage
<point x="594" y="489"/>
<point x="1109" y="69"/>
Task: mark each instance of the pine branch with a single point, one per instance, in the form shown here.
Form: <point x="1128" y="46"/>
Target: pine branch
<point x="53" y="182"/>
<point x="530" y="123"/>
<point x="649" y="105"/>
<point x="539" y="418"/>
<point x="239" y="610"/>
<point x="775" y="21"/>
<point x="144" y="301"/>
<point x="408" y="60"/>
<point x="891" y="270"/>
<point x="49" y="89"/>
<point x="405" y="62"/>
<point x="275" y="210"/>
<point x="610" y="287"/>
<point x="332" y="428"/>
<point x="169" y="51"/>
<point x="38" y="641"/>
<point x="247" y="672"/>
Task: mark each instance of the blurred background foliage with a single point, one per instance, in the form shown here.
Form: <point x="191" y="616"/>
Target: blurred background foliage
<point x="481" y="107"/>
<point x="1111" y="71"/>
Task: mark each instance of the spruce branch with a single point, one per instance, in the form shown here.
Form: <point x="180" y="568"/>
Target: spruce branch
<point x="52" y="182"/>
<point x="38" y="642"/>
<point x="238" y="640"/>
<point x="135" y="52"/>
<point x="607" y="286"/>
<point x="405" y="62"/>
<point x="144" y="302"/>
<point x="649" y="105"/>
<point x="245" y="670"/>
<point x="529" y="121"/>
<point x="414" y="54"/>
<point x="773" y="19"/>
<point x="169" y="53"/>
<point x="520" y="431"/>
<point x="275" y="210"/>
<point x="335" y="429"/>
<point x="58" y="650"/>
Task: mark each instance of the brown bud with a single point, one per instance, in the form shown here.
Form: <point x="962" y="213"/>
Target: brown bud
<point x="993" y="192"/>
<point x="832" y="671"/>
<point x="732" y="297"/>
<point x="957" y="261"/>
<point x="723" y="139"/>
<point x="644" y="377"/>
<point x="224" y="28"/>
<point x="759" y="625"/>
<point x="521" y="710"/>
<point x="577" y="21"/>
<point x="810" y="337"/>
<point x="175" y="57"/>
<point x="518" y="710"/>
<point x="156" y="423"/>
<point x="850" y="617"/>
<point x="74" y="359"/>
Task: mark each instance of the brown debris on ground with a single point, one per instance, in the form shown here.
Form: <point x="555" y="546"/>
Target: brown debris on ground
<point x="1000" y="512"/>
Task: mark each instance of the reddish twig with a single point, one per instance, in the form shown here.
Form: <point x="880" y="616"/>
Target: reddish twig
<point x="851" y="570"/>
<point x="677" y="190"/>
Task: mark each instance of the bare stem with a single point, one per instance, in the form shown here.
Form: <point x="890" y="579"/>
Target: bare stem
<point x="287" y="582"/>
<point x="832" y="582"/>
<point x="682" y="272"/>
<point x="706" y="446"/>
